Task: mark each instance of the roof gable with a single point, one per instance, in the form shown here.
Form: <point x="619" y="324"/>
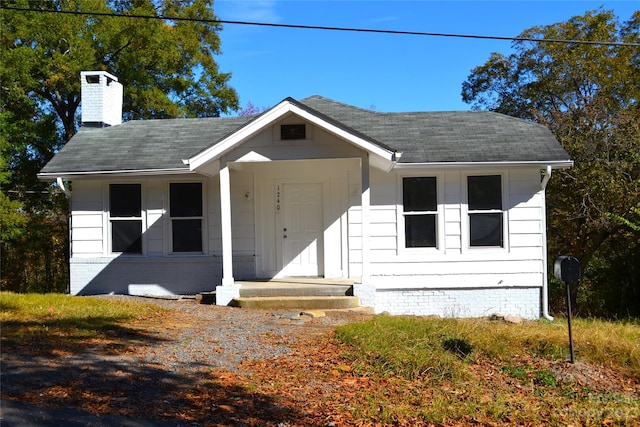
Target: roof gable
<point x="200" y="162"/>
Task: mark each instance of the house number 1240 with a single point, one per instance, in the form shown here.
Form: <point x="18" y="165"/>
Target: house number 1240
<point x="277" y="197"/>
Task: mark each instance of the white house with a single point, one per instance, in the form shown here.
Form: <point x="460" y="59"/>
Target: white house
<point x="429" y="212"/>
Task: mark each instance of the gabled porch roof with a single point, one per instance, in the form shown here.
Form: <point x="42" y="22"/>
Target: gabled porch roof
<point x="206" y="161"/>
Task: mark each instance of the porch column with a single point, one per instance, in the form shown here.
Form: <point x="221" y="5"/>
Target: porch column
<point x="366" y="203"/>
<point x="365" y="290"/>
<point x="225" y="222"/>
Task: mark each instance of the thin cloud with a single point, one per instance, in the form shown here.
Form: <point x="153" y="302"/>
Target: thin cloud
<point x="254" y="11"/>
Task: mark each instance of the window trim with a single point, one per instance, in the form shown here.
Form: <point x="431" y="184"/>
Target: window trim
<point x="108" y="239"/>
<point x="439" y="214"/>
<point x="466" y="212"/>
<point x="202" y="218"/>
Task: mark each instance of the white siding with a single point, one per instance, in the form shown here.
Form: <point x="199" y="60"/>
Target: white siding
<point x="453" y="264"/>
<point x="155" y="195"/>
<point x="87" y="219"/>
<point x="242" y="212"/>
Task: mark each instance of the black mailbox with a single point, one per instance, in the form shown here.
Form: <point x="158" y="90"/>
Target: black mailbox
<point x="567" y="269"/>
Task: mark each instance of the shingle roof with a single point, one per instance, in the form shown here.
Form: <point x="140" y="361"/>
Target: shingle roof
<point x="451" y="136"/>
<point x="424" y="137"/>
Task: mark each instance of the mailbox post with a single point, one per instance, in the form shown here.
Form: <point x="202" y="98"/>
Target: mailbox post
<point x="567" y="269"/>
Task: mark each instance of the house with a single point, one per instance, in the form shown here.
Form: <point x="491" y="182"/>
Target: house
<point x="429" y="212"/>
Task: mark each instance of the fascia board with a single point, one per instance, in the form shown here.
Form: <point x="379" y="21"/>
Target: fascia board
<point x="52" y="176"/>
<point x="563" y="164"/>
<point x="271" y="116"/>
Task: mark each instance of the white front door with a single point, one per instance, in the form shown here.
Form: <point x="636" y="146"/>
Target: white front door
<point x="302" y="230"/>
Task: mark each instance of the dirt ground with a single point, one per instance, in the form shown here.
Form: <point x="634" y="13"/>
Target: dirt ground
<point x="160" y="369"/>
<point x="203" y="365"/>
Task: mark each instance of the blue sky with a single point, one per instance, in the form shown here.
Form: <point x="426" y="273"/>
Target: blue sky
<point x="376" y="71"/>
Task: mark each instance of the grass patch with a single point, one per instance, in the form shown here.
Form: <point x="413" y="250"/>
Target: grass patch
<point x="451" y="371"/>
<point x="410" y="347"/>
<point x="63" y="320"/>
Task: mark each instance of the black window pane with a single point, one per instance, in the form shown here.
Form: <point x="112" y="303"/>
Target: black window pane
<point x="485" y="192"/>
<point x="125" y="200"/>
<point x="420" y="231"/>
<point x="485" y="229"/>
<point x="419" y="194"/>
<point x="126" y="236"/>
<point x="187" y="235"/>
<point x="186" y="199"/>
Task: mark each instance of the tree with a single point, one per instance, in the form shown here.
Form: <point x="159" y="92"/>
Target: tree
<point x="167" y="67"/>
<point x="588" y="95"/>
<point x="251" y="110"/>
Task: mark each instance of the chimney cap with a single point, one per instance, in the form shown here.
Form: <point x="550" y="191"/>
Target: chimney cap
<point x="110" y="76"/>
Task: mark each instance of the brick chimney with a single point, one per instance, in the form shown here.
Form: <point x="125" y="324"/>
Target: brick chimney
<point x="101" y="97"/>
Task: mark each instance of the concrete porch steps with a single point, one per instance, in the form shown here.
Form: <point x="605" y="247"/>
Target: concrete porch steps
<point x="294" y="289"/>
<point x="293" y="293"/>
<point x="298" y="302"/>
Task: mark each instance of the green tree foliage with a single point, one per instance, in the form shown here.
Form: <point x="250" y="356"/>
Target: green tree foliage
<point x="588" y="95"/>
<point x="166" y="66"/>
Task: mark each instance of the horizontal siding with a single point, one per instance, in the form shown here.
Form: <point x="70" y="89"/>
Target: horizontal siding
<point x="154" y="203"/>
<point x="525" y="227"/>
<point x="450" y="281"/>
<point x="87" y="219"/>
<point x="526" y="241"/>
<point x="83" y="248"/>
<point x="88" y="234"/>
<point x="88" y="216"/>
<point x="520" y="263"/>
<point x="457" y="266"/>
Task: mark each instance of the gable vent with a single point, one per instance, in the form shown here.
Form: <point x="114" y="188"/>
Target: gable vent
<point x="293" y="132"/>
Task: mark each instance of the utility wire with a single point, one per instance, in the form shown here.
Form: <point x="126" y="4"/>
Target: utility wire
<point x="321" y="27"/>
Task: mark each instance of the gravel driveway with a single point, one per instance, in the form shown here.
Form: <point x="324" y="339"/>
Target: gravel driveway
<point x="146" y="373"/>
<point x="206" y="336"/>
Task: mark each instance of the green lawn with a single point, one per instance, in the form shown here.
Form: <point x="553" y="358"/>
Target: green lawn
<point x="496" y="372"/>
<point x="66" y="319"/>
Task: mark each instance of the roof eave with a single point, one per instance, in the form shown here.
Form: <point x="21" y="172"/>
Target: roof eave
<point x="554" y="164"/>
<point x="69" y="175"/>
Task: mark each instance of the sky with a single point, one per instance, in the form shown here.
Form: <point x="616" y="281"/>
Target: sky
<point x="382" y="72"/>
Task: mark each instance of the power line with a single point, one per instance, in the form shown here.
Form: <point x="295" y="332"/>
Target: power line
<point x="321" y="27"/>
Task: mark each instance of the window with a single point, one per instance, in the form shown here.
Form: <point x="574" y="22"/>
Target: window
<point x="185" y="211"/>
<point x="293" y="132"/>
<point x="485" y="210"/>
<point x="420" y="208"/>
<point x="125" y="217"/>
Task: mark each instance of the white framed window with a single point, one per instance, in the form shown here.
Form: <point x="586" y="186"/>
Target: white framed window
<point x="420" y="211"/>
<point x="186" y="217"/>
<point x="125" y="218"/>
<point x="485" y="211"/>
